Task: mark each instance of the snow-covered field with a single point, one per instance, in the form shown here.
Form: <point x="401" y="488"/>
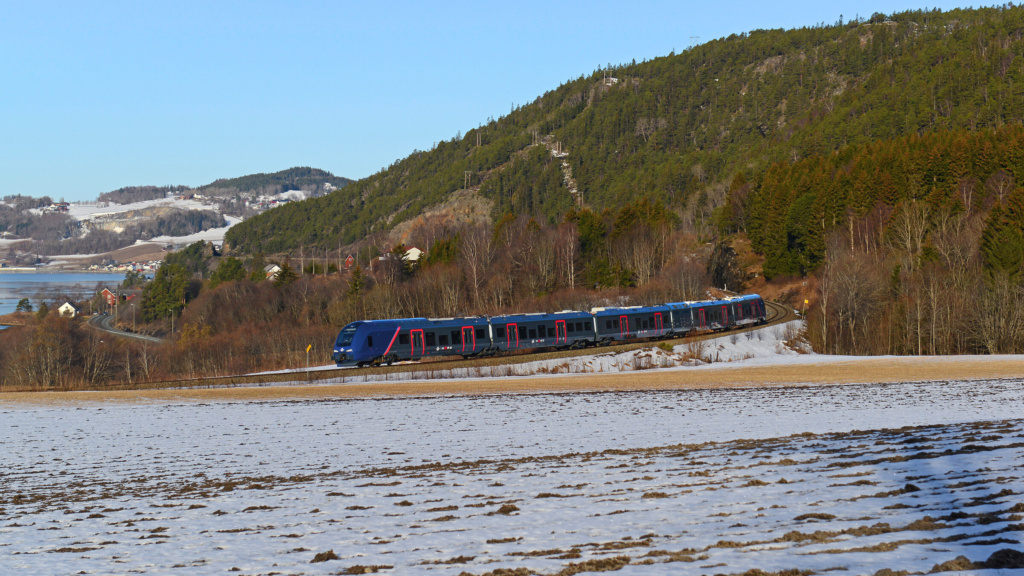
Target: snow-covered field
<point x="215" y="235"/>
<point x="89" y="211"/>
<point x="692" y="481"/>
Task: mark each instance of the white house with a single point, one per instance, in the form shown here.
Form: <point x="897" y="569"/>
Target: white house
<point x="271" y="271"/>
<point x="68" y="310"/>
<point x="412" y="254"/>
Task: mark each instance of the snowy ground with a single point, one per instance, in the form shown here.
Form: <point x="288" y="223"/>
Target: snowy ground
<point x="693" y="481"/>
<point x="215" y="235"/>
<point x="88" y="211"/>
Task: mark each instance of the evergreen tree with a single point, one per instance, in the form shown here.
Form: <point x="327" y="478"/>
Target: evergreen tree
<point x="286" y="276"/>
<point x="230" y="269"/>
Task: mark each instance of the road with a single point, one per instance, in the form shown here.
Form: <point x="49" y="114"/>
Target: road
<point x="104" y="324"/>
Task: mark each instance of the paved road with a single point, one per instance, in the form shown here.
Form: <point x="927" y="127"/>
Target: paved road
<point x="105" y="324"/>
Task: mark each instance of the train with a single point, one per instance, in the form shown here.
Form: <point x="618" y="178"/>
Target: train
<point x="376" y="342"/>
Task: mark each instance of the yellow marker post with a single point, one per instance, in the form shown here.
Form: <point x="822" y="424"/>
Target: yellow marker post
<point x="308" y="348"/>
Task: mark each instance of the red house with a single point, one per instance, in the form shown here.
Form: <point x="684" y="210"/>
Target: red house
<point x="109" y="297"/>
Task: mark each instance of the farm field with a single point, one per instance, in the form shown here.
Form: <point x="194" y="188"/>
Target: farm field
<point x="847" y="479"/>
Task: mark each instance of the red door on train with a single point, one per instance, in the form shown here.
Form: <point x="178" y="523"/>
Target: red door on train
<point x="417" y="342"/>
<point x="512" y="336"/>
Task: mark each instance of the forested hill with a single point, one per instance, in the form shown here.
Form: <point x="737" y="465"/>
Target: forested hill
<point x="676" y="128"/>
<point x="299" y="178"/>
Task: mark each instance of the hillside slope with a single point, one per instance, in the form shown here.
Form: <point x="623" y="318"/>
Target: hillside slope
<point x="299" y="178"/>
<point x="676" y="128"/>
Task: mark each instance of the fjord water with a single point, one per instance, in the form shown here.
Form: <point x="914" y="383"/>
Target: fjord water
<point x="38" y="286"/>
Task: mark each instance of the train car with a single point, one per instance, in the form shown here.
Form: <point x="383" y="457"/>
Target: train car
<point x="566" y="329"/>
<point x="748" y="310"/>
<point x="615" y="324"/>
<point x="713" y="315"/>
<point x="386" y="341"/>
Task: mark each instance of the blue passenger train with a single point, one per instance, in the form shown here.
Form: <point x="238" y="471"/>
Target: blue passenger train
<point x="386" y="341"/>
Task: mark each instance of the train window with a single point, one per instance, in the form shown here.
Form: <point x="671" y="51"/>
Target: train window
<point x="442" y="340"/>
<point x="643" y="324"/>
<point x="540" y="330"/>
<point x="533" y="333"/>
<point x="608" y="324"/>
<point x="456" y="337"/>
<point x="403" y="338"/>
<point x="650" y="320"/>
<point x="500" y="331"/>
<point x="369" y="341"/>
<point x="615" y="322"/>
<point x="551" y="332"/>
<point x="570" y="328"/>
<point x="481" y="333"/>
<point x="586" y="325"/>
<point x="429" y="336"/>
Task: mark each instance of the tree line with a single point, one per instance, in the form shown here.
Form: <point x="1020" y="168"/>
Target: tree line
<point x="916" y="243"/>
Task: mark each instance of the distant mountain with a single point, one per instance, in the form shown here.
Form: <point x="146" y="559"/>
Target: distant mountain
<point x="303" y="178"/>
<point x="677" y="129"/>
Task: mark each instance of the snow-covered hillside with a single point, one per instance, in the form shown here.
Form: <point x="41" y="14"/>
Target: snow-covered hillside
<point x="92" y="210"/>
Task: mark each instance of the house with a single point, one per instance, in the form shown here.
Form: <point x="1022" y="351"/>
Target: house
<point x="271" y="271"/>
<point x="109" y="297"/>
<point x="412" y="254"/>
<point x="349" y="262"/>
<point x="69" y="310"/>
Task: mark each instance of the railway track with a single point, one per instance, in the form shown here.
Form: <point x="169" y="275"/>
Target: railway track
<point x="777" y="314"/>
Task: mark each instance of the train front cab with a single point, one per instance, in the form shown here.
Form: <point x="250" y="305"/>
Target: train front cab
<point x="364" y="342"/>
<point x="387" y="341"/>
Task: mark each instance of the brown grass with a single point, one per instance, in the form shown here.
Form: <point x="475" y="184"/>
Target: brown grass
<point x="867" y="370"/>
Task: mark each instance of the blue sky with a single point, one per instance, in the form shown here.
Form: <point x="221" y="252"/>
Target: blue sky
<point x="95" y="96"/>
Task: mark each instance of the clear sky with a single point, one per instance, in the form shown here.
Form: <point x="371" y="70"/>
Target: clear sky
<point x="99" y="95"/>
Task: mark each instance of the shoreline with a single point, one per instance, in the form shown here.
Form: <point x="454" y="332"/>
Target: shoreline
<point x="57" y="271"/>
<point x="869" y="370"/>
